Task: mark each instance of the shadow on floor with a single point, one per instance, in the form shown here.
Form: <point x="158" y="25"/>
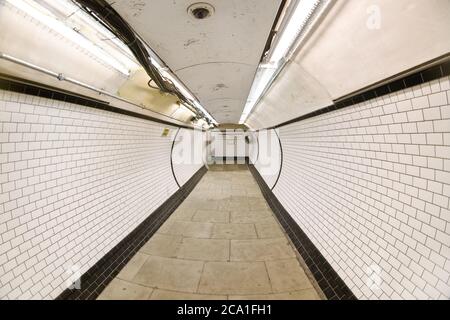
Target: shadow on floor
<point x="228" y="167"/>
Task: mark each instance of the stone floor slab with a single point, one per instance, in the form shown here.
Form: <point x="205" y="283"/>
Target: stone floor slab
<point x="234" y="278"/>
<point x="170" y="274"/>
<point x="163" y="245"/>
<point x="245" y="216"/>
<point x="187" y="229"/>
<point x="234" y="231"/>
<point x="204" y="249"/>
<point x="133" y="266"/>
<point x="123" y="290"/>
<point x="287" y="275"/>
<point x="269" y="230"/>
<point x="222" y="242"/>
<point x="261" y="250"/>
<point x="213" y="216"/>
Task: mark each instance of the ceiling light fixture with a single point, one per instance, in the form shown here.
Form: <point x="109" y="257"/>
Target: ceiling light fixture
<point x="122" y="52"/>
<point x="288" y="41"/>
<point x="293" y="29"/>
<point x="44" y="16"/>
<point x="182" y="88"/>
<point x="71" y="23"/>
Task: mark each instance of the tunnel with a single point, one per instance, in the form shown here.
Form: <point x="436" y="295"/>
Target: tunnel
<point x="225" y="150"/>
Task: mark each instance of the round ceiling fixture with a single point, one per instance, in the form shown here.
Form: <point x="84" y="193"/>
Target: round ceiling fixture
<point x="201" y="10"/>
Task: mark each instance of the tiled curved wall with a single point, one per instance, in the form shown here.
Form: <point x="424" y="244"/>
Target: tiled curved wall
<point x="369" y="184"/>
<point x="74" y="182"/>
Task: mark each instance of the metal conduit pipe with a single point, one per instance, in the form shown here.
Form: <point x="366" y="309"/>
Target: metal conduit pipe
<point x="103" y="12"/>
<point x="57" y="75"/>
<point x="61" y="77"/>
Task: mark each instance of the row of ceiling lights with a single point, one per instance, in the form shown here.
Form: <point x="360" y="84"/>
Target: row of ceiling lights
<point x="119" y="57"/>
<point x="293" y="24"/>
<point x="74" y="24"/>
<point x="69" y="21"/>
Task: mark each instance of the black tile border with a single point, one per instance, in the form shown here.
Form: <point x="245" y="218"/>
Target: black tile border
<point x="171" y="158"/>
<point x="281" y="160"/>
<point x="329" y="281"/>
<point x="14" y="84"/>
<point x="95" y="280"/>
<point x="257" y="142"/>
<point x="235" y="160"/>
<point x="393" y="84"/>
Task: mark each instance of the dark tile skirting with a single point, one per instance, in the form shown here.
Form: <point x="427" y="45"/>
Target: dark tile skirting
<point x="281" y="160"/>
<point x="28" y="87"/>
<point x="235" y="160"/>
<point x="171" y="158"/>
<point x="329" y="281"/>
<point x="100" y="275"/>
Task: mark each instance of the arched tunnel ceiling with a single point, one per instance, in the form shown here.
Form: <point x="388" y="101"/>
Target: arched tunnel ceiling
<point x="217" y="57"/>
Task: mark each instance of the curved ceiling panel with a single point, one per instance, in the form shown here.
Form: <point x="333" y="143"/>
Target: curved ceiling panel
<point x="225" y="110"/>
<point x="225" y="80"/>
<point x="215" y="57"/>
<point x="236" y="31"/>
<point x="344" y="55"/>
<point x="357" y="56"/>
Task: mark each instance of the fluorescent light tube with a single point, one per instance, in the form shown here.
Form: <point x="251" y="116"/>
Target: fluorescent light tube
<point x="294" y="27"/>
<point x="123" y="56"/>
<point x="288" y="37"/>
<point x="263" y="76"/>
<point x="68" y="33"/>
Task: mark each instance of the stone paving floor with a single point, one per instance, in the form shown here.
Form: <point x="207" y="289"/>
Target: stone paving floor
<point x="223" y="242"/>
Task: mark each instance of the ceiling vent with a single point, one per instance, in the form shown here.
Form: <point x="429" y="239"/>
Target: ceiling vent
<point x="201" y="10"/>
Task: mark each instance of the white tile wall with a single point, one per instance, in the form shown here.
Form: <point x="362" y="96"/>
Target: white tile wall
<point x="370" y="184"/>
<point x="74" y="182"/>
